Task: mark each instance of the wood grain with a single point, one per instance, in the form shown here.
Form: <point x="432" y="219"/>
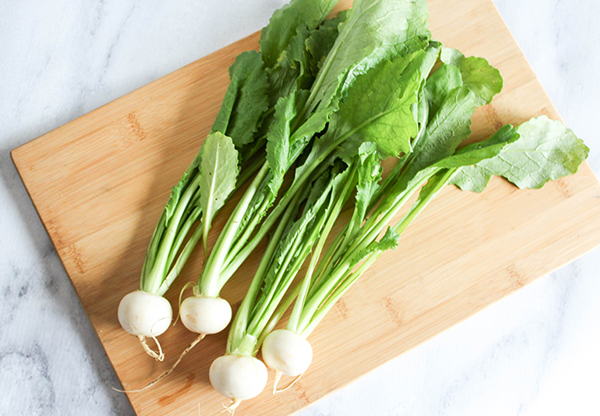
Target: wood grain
<point x="100" y="182"/>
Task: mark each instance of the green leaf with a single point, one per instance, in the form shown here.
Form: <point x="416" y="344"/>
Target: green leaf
<point x="477" y="74"/>
<point x="218" y="174"/>
<point x="276" y="36"/>
<point x="387" y="242"/>
<point x="321" y="40"/>
<point x="439" y="85"/>
<point x="291" y="72"/>
<point x="283" y="150"/>
<point x="278" y="141"/>
<point x="299" y="62"/>
<point x="296" y="67"/>
<point x="373" y="30"/>
<point x="480" y="77"/>
<point x="320" y="147"/>
<point x="245" y="101"/>
<point x="421" y="112"/>
<point x="476" y="152"/>
<point x="379" y="109"/>
<point x="283" y="147"/>
<point x="369" y="175"/>
<point x="448" y="128"/>
<point x="380" y="105"/>
<point x="545" y="150"/>
<point x="451" y="56"/>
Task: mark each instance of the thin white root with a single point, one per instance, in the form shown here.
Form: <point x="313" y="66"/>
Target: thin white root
<point x="275" y="391"/>
<point x="232" y="406"/>
<point x="158" y="356"/>
<point x="276" y="381"/>
<point x="170" y="370"/>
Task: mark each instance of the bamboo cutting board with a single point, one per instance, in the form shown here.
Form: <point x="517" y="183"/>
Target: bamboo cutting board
<point x="100" y="182"/>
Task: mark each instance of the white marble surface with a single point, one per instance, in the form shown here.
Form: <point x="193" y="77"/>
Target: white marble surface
<point x="533" y="353"/>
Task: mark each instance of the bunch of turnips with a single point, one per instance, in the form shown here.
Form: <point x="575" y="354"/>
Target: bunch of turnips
<point x="323" y="102"/>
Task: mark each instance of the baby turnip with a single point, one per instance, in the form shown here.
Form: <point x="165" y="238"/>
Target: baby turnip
<point x="287" y="352"/>
<point x="205" y="315"/>
<point x="145" y="315"/>
<point x="238" y="377"/>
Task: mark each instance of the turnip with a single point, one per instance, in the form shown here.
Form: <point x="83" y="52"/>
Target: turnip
<point x="145" y="315"/>
<point x="205" y="315"/>
<point x="287" y="352"/>
<point x="238" y="139"/>
<point x="238" y="377"/>
<point x="206" y="310"/>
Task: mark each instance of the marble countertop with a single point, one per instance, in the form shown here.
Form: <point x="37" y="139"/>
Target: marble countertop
<point x="533" y="353"/>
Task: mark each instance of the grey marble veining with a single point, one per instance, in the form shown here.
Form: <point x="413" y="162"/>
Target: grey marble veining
<point x="533" y="353"/>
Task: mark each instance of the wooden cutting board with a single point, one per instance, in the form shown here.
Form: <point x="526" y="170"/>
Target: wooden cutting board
<point x="100" y="182"/>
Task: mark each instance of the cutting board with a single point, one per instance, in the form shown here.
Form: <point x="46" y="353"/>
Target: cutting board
<point x="100" y="182"/>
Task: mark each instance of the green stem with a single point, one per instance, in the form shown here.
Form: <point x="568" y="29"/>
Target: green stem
<point x="153" y="248"/>
<point x="314" y="302"/>
<point x="296" y="256"/>
<point x="278" y="314"/>
<point x="332" y="217"/>
<point x="375" y="224"/>
<point x="337" y="294"/>
<point x="335" y="266"/>
<point x="250" y="169"/>
<point x="181" y="260"/>
<point x="182" y="233"/>
<point x="290" y="254"/>
<point x="422" y="203"/>
<point x="327" y="262"/>
<point x="159" y="269"/>
<point x="238" y="258"/>
<point x="327" y="298"/>
<point x="240" y="323"/>
<point x="387" y="183"/>
<point x="241" y="239"/>
<point x="262" y="316"/>
<point x="209" y="279"/>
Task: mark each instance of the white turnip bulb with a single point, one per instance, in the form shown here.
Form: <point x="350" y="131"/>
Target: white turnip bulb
<point x="145" y="314"/>
<point x="287" y="352"/>
<point x="205" y="315"/>
<point x="238" y="377"/>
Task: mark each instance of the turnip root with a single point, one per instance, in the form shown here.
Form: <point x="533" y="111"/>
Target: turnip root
<point x="146" y="316"/>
